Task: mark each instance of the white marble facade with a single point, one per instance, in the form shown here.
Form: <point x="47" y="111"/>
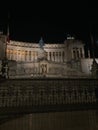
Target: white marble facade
<point x="56" y="52"/>
<point x="47" y="59"/>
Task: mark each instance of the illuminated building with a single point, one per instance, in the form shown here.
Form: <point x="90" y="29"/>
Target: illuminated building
<point x="27" y="60"/>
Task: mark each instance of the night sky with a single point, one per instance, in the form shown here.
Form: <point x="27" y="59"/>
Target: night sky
<point x="29" y="21"/>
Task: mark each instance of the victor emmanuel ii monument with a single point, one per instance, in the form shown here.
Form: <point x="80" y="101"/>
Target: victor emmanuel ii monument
<point x="26" y="60"/>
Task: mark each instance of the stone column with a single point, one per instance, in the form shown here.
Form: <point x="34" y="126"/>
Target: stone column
<point x="23" y="55"/>
<point x="35" y="55"/>
<point x="32" y="56"/>
<point x="52" y="56"/>
<point x="26" y="55"/>
<point x="15" y="54"/>
<point x="57" y="56"/>
<point x="48" y="55"/>
<point x="29" y="55"/>
<point x="77" y="53"/>
<point x="11" y="54"/>
<point x="83" y="53"/>
<point x="19" y="55"/>
<point x="61" y="56"/>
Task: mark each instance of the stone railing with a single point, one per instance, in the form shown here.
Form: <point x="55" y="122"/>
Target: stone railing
<point x="39" y="92"/>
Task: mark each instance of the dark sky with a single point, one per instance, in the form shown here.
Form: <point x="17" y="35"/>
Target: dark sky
<point x="51" y="20"/>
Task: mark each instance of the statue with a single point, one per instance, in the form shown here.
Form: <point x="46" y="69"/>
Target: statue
<point x="94" y="69"/>
<point x="42" y="54"/>
<point x="41" y="43"/>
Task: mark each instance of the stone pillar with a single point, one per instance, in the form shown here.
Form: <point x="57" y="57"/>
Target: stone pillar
<point x="52" y="56"/>
<point x="77" y="53"/>
<point x="8" y="54"/>
<point x="32" y="56"/>
<point x="23" y="55"/>
<point x="35" y="55"/>
<point x="14" y="55"/>
<point x="27" y="55"/>
<point x="83" y="53"/>
<point x="17" y="56"/>
<point x="48" y="55"/>
<point x="61" y="56"/>
<point x="58" y="56"/>
<point x="20" y="55"/>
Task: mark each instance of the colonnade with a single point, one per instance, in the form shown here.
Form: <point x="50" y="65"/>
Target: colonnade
<point x="78" y="53"/>
<point x="56" y="56"/>
<point x="29" y="55"/>
<point x="22" y="55"/>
